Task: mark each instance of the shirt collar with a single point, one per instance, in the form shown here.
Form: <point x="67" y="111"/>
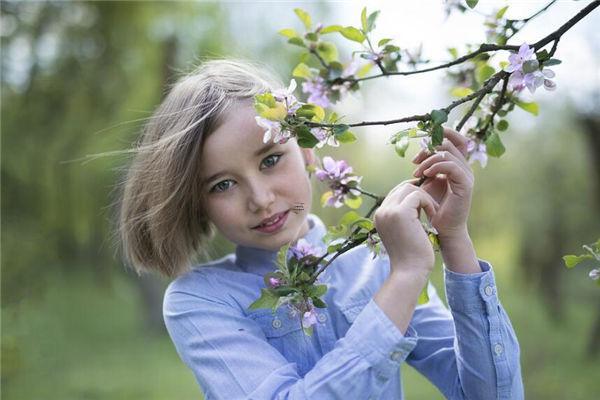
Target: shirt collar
<point x="260" y="261"/>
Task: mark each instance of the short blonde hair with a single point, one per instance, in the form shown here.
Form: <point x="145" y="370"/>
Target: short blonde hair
<point x="162" y="224"/>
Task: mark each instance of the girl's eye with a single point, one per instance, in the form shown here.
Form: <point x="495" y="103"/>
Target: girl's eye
<point x="222" y="186"/>
<point x="271" y="160"/>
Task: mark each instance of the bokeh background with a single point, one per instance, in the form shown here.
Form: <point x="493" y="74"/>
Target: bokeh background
<point x="79" y="78"/>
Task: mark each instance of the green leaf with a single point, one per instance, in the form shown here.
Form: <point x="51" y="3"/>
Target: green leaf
<point x="311" y="111"/>
<point x="304" y="17"/>
<point x="351" y="33"/>
<point x="313" y="37"/>
<point x="383" y="42"/>
<point x="472" y="3"/>
<point x="494" y="145"/>
<point x="439" y="116"/>
<point x="319" y="303"/>
<point x="353" y="203"/>
<point x="266" y="99"/>
<point x="363" y="19"/>
<point x="349" y="218"/>
<point x="308" y="330"/>
<point x="282" y="258"/>
<point x="461" y="91"/>
<point x="401" y="146"/>
<point x="423" y="296"/>
<point x="288" y="33"/>
<point x="572" y="260"/>
<point x="267" y="299"/>
<point x="453" y="52"/>
<point x="305" y="138"/>
<point x="502" y="125"/>
<point x="346" y="137"/>
<point x="297" y="41"/>
<point x="437" y="136"/>
<point x="317" y="290"/>
<point x="341" y="128"/>
<point x="302" y="71"/>
<point x="484" y="72"/>
<point x="327" y="51"/>
<point x="551" y="62"/>
<point x="371" y="21"/>
<point x="331" y="29"/>
<point x="532" y="107"/>
<point x="501" y="12"/>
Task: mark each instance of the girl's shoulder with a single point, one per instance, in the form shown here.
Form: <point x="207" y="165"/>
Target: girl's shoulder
<point x="201" y="278"/>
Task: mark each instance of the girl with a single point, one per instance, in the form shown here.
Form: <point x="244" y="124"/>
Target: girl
<point x="202" y="165"/>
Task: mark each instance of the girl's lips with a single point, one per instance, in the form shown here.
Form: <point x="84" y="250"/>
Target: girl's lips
<point x="278" y="223"/>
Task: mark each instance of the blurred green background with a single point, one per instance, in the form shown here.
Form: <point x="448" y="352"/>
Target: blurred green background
<point x="78" y="78"/>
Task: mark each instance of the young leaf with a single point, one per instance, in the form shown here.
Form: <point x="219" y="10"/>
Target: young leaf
<point x="494" y="145"/>
<point x="551" y="62"/>
<point x="484" y="72"/>
<point x="423" y="296"/>
<point x="302" y="71"/>
<point x="266" y="300"/>
<point x="305" y="138"/>
<point x="439" y="116"/>
<point x="331" y="29"/>
<point x="383" y="42"/>
<point x="327" y="51"/>
<point x="472" y="3"/>
<point x="319" y="303"/>
<point x="532" y="107"/>
<point x="289" y="33"/>
<point x="502" y="125"/>
<point x="437" y="136"/>
<point x="501" y="12"/>
<point x="461" y="91"/>
<point x="571" y="260"/>
<point x="297" y="41"/>
<point x="371" y="20"/>
<point x="304" y="17"/>
<point x="351" y="33"/>
<point x="346" y="137"/>
<point x="401" y="146"/>
<point x="353" y="203"/>
<point x="363" y="19"/>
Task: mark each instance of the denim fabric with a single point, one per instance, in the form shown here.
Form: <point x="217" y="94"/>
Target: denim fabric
<point x="468" y="351"/>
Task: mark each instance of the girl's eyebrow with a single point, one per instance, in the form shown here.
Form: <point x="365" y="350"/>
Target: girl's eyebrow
<point x="257" y="153"/>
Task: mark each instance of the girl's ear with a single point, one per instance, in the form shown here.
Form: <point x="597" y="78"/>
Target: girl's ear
<point x="309" y="156"/>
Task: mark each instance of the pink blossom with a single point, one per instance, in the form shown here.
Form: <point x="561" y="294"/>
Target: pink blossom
<point x="477" y="151"/>
<point x="338" y="176"/>
<point x="274" y="282"/>
<point x="287" y="97"/>
<point x="309" y="318"/>
<point x="517" y="59"/>
<point x="304" y="249"/>
<point x="325" y="137"/>
<point x="317" y="90"/>
<point x="273" y="130"/>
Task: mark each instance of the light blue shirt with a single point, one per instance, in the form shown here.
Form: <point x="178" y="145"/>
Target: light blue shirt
<point x="355" y="352"/>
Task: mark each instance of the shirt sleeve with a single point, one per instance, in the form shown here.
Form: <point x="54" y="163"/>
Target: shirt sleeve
<point x="231" y="358"/>
<point x="471" y="351"/>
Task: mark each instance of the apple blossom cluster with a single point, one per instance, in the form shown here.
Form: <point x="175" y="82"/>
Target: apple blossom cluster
<point x="320" y="93"/>
<point x="526" y="73"/>
<point x="340" y="179"/>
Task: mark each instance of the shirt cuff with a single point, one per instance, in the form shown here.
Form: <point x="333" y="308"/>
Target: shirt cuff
<point x="470" y="292"/>
<point x="375" y="337"/>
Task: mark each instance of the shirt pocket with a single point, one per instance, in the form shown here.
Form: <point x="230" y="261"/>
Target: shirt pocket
<point x="351" y="311"/>
<point x="285" y="334"/>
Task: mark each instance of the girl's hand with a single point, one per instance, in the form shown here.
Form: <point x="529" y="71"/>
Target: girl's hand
<point x="398" y="225"/>
<point x="450" y="183"/>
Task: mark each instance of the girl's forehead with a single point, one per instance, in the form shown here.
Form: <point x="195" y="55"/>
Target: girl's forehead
<point x="237" y="131"/>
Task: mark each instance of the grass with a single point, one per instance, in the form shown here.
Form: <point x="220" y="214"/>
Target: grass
<point x="83" y="341"/>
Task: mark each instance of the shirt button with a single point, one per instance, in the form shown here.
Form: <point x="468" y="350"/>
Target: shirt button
<point x="498" y="349"/>
<point x="276" y="323"/>
<point x="382" y="378"/>
<point x="322" y="317"/>
<point x="489" y="290"/>
<point x="396" y="355"/>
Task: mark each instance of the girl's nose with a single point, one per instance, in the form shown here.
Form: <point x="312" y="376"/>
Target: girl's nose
<point x="261" y="197"/>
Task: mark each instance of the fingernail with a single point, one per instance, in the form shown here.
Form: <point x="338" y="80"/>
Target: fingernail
<point x="417" y="173"/>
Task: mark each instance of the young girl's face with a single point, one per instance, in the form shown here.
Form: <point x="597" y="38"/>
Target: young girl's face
<point x="246" y="182"/>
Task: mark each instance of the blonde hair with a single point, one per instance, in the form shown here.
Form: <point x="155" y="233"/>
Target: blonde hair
<point x="162" y="224"/>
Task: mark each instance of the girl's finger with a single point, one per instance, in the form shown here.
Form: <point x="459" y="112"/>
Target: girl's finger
<point x="419" y="199"/>
<point x="458" y="140"/>
<point x="449" y="146"/>
<point x="460" y="182"/>
<point x="403" y="191"/>
<point x="438" y="157"/>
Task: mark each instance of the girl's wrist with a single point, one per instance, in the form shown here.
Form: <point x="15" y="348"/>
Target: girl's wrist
<point x="459" y="254"/>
